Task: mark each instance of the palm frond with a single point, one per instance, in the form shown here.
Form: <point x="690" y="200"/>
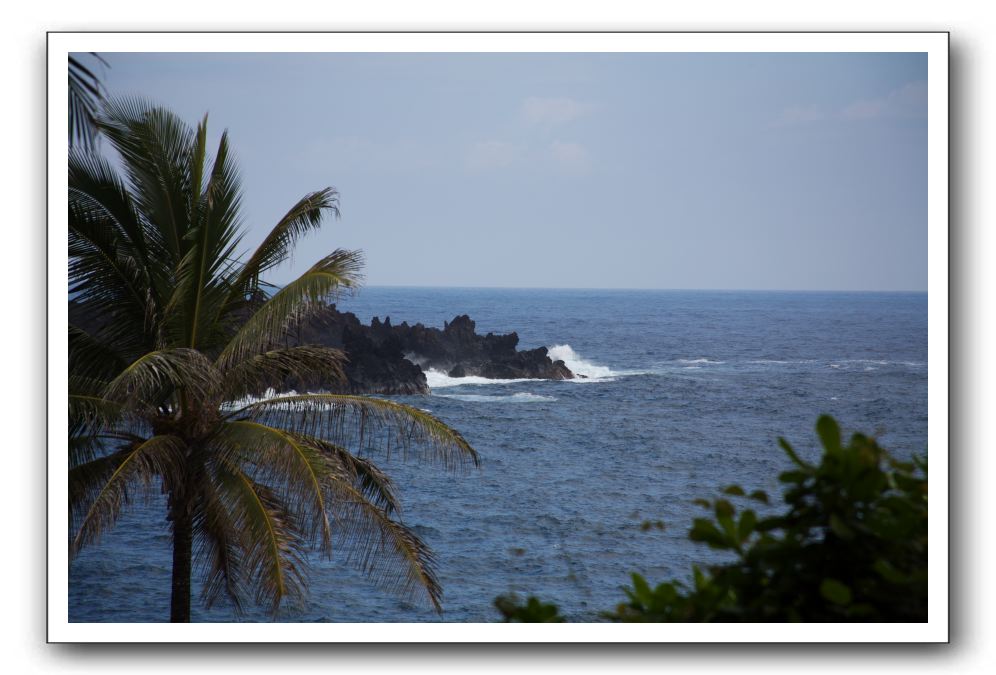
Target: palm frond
<point x="90" y="359"/>
<point x="375" y="485"/>
<point x="156" y="375"/>
<point x="85" y="446"/>
<point x="109" y="272"/>
<point x="85" y="92"/>
<point x="94" y="422"/>
<point x="295" y="471"/>
<point x="272" y="555"/>
<point x="275" y="368"/>
<point x="305" y="475"/>
<point x="98" y="489"/>
<point x="220" y="547"/>
<point x="385" y="549"/>
<point x="197" y="159"/>
<point x="155" y="147"/>
<point x="366" y="422"/>
<point x="303" y="217"/>
<point x="308" y="293"/>
<point x="97" y="193"/>
<point x="202" y="292"/>
<point x="91" y="414"/>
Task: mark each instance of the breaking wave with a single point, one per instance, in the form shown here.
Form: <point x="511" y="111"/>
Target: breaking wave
<point x="579" y="366"/>
<point x="521" y="397"/>
<point x="437" y="379"/>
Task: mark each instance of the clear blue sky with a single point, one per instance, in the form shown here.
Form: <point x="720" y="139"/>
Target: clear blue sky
<point x="722" y="171"/>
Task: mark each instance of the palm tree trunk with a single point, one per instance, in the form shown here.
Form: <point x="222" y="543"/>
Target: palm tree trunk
<point x="179" y="609"/>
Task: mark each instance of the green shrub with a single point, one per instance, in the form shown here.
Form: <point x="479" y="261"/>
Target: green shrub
<point x="851" y="546"/>
<point x="533" y="611"/>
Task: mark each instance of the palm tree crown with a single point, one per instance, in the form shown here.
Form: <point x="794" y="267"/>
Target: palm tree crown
<point x="178" y="335"/>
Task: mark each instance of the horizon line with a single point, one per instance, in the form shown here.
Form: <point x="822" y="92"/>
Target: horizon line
<point x="643" y="288"/>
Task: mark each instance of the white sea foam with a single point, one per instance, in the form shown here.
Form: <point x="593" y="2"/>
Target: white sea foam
<point x="521" y="397"/>
<point x="873" y="364"/>
<point x="702" y="360"/>
<point x="437" y="379"/>
<point x="270" y="393"/>
<point x="586" y="369"/>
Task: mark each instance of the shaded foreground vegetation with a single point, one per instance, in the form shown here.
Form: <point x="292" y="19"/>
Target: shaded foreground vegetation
<point x="850" y="545"/>
<point x="182" y="331"/>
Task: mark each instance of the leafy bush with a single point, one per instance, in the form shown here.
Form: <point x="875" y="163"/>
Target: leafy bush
<point x="533" y="611"/>
<point x="851" y="546"/>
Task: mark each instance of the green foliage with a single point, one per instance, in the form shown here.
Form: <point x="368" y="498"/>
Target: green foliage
<point x="532" y="611"/>
<point x="852" y="545"/>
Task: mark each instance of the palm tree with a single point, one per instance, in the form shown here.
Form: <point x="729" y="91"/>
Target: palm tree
<point x="178" y="336"/>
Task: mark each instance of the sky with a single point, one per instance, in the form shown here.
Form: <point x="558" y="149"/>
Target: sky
<point x="675" y="171"/>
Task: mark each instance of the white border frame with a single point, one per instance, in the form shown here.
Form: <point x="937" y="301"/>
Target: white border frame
<point x="935" y="44"/>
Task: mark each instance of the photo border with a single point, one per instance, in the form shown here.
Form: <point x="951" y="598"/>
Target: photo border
<point x="934" y="43"/>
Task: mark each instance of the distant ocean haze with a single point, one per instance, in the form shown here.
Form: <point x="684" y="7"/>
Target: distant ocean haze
<point x="686" y="392"/>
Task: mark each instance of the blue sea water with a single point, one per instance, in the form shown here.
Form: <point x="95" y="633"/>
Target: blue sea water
<point x="687" y="392"/>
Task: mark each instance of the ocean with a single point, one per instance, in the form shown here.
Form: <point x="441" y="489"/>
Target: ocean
<point x="687" y="392"/>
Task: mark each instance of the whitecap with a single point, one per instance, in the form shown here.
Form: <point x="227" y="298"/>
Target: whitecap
<point x="701" y="360"/>
<point x="521" y="397"/>
<point x="584" y="369"/>
<point x="437" y="379"/>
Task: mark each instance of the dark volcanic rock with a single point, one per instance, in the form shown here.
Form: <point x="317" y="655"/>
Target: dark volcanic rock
<point x="375" y="361"/>
<point x="380" y="368"/>
<point x="458" y="350"/>
<point x="390" y="359"/>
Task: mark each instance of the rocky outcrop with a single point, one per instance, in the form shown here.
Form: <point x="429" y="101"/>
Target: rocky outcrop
<point x="391" y="359"/>
<point x="459" y="351"/>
